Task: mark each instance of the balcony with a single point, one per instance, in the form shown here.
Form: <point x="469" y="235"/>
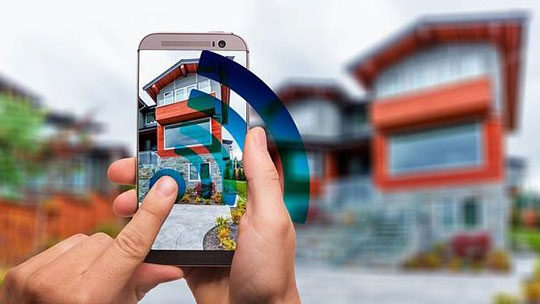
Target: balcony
<point x="349" y="191"/>
<point x="148" y="159"/>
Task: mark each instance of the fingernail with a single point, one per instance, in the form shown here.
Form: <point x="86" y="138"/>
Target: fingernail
<point x="260" y="138"/>
<point x="166" y="186"/>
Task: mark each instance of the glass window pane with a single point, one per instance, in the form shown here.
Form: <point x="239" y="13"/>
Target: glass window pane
<point x="204" y="86"/>
<point x="180" y="94"/>
<point x="449" y="147"/>
<point x="150" y="118"/>
<point x="205" y="171"/>
<point x="193" y="173"/>
<point x="189" y="89"/>
<point x="167" y="97"/>
<point x="188" y="134"/>
<point x="471" y="213"/>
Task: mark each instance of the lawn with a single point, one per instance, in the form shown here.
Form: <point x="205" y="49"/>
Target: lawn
<point x="528" y="237"/>
<point x="234" y="185"/>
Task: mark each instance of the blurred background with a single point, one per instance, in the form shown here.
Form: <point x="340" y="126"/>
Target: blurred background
<point x="419" y="119"/>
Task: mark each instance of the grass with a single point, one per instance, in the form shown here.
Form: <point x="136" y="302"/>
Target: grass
<point x="527" y="236"/>
<point x="239" y="186"/>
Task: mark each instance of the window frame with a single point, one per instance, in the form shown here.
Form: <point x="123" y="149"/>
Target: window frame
<point x="209" y="85"/>
<point x="478" y="128"/>
<point x="176" y="94"/>
<point x="164" y="103"/>
<point x="207" y="119"/>
<point x="198" y="171"/>
<point x="146" y="122"/>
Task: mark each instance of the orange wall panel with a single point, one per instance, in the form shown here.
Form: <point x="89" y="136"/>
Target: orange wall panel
<point x="162" y="152"/>
<point x="466" y="98"/>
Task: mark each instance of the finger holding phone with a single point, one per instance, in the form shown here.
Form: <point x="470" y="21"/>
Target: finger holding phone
<point x="99" y="269"/>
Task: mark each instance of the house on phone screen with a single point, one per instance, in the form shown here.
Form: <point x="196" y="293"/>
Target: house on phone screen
<point x="183" y="130"/>
<point x="421" y="159"/>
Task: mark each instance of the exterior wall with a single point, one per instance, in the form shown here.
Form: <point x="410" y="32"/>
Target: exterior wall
<point x="180" y="164"/>
<point x="451" y="103"/>
<point x="471" y="98"/>
<point x="430" y="203"/>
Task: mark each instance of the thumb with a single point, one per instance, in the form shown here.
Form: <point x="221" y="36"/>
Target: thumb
<point x="265" y="198"/>
<point x="135" y="241"/>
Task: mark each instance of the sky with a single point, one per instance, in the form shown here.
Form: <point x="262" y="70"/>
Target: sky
<point x="80" y="57"/>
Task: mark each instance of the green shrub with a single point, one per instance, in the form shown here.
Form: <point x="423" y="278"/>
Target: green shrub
<point x="186" y="198"/>
<point x="3" y="273"/>
<point x="222" y="222"/>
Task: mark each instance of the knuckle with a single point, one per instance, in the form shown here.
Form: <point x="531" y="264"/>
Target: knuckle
<point x="284" y="225"/>
<point x="14" y="277"/>
<point x="37" y="285"/>
<point x="101" y="237"/>
<point x="131" y="243"/>
<point x="77" y="237"/>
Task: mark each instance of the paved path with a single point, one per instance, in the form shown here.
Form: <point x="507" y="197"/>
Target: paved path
<point x="186" y="226"/>
<point x="323" y="284"/>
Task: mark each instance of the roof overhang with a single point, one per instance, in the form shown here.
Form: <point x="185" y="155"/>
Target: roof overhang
<point x="504" y="30"/>
<point x="180" y="69"/>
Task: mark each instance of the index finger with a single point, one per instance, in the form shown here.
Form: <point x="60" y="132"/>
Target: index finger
<point x="122" y="171"/>
<point x="134" y="242"/>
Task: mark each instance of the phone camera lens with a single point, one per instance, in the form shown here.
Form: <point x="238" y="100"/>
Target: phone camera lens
<point x="222" y="43"/>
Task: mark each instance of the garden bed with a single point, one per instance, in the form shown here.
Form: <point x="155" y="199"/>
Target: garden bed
<point x="211" y="240"/>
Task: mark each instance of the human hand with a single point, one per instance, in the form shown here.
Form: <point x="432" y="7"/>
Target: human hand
<point x="262" y="270"/>
<point x="97" y="268"/>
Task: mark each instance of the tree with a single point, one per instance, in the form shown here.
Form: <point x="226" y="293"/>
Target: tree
<point x="228" y="169"/>
<point x="21" y="121"/>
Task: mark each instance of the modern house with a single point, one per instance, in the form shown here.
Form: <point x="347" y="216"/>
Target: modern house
<point x="183" y="132"/>
<point x="422" y="157"/>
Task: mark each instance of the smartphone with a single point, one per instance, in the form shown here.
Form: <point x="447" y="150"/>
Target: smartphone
<point x="184" y="131"/>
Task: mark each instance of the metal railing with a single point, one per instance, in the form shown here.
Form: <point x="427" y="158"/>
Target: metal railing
<point x="148" y="158"/>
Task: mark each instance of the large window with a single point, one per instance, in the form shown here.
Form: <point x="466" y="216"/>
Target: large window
<point x="442" y="148"/>
<point x="188" y="134"/>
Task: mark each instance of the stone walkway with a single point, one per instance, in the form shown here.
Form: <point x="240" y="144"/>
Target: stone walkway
<point x="186" y="226"/>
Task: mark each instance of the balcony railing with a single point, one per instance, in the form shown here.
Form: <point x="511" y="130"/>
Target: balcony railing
<point x="148" y="158"/>
<point x="349" y="190"/>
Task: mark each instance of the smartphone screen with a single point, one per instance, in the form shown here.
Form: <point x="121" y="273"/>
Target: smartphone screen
<point x="185" y="124"/>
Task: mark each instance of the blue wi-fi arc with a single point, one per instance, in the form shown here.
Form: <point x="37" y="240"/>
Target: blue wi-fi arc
<point x="278" y="121"/>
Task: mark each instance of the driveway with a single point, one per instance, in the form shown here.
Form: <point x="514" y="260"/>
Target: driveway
<point x="324" y="284"/>
<point x="186" y="226"/>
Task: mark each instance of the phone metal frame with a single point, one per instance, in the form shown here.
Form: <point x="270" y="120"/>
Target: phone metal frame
<point x="179" y="42"/>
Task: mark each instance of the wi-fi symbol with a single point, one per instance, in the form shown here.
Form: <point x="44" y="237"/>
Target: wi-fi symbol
<point x="278" y="122"/>
<point x="207" y="153"/>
